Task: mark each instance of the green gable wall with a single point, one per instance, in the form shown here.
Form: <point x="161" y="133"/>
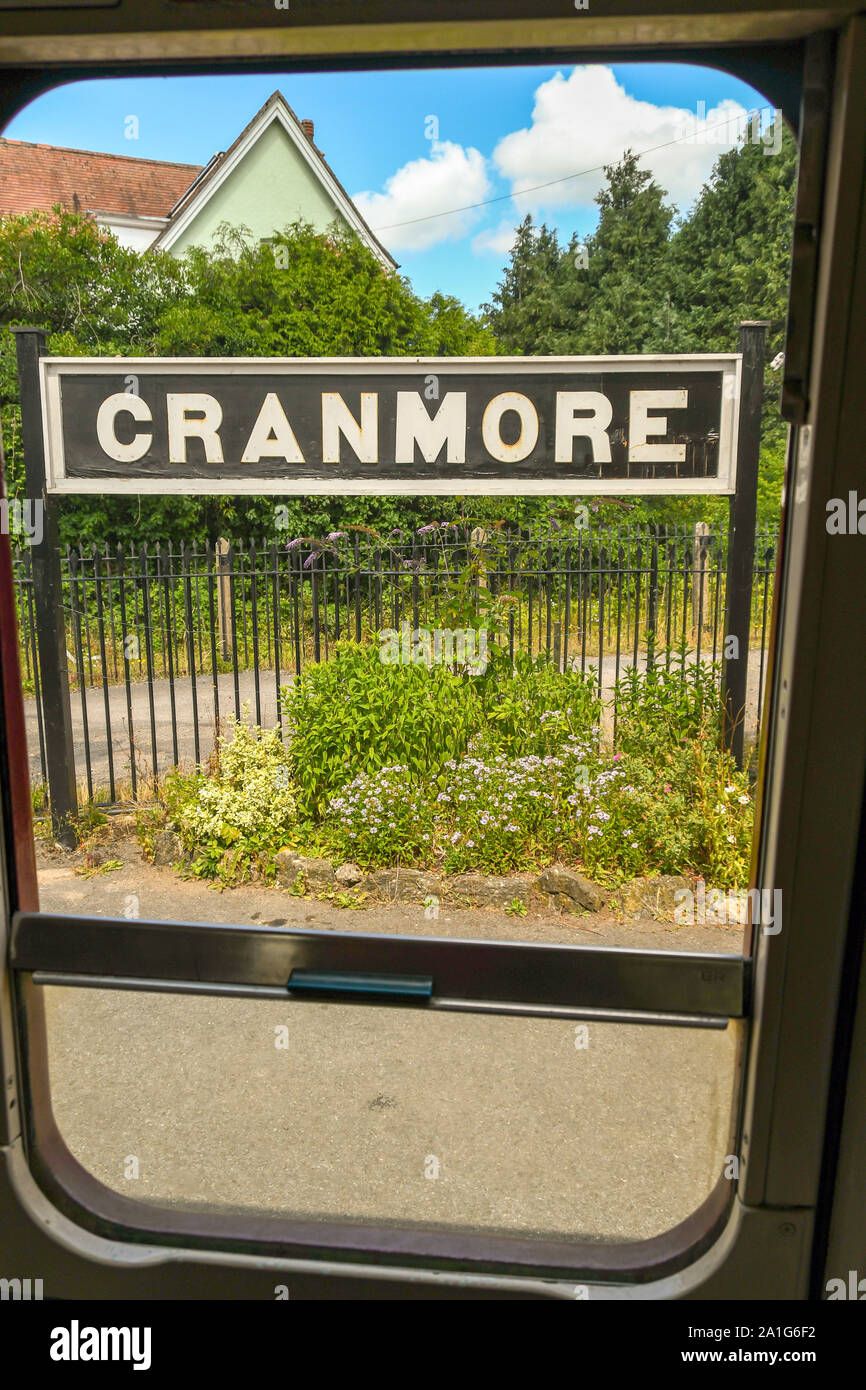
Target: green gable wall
<point x="269" y="188"/>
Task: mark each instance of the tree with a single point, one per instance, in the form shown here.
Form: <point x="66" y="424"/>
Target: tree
<point x="63" y="272"/>
<point x="60" y="271"/>
<point x="618" y="304"/>
<point x="525" y="313"/>
<point x="311" y="295"/>
<point x="307" y="294"/>
<point x="654" y="285"/>
<point x="730" y="258"/>
<point x="730" y="261"/>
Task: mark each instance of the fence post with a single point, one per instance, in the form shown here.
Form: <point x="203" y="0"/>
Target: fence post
<point x="699" y="578"/>
<point x="30" y="345"/>
<point x="741" y="536"/>
<point x="224" y="601"/>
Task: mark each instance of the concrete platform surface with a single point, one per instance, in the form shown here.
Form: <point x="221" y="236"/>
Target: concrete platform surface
<point x="386" y="1114"/>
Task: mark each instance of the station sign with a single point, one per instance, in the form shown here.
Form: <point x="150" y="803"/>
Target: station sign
<point x="513" y="426"/>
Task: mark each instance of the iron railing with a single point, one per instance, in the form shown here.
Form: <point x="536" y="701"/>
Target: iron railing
<point x="163" y="643"/>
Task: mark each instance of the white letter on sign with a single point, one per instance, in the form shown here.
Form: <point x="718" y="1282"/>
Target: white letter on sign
<point x="272" y="436"/>
<point x="639" y="426"/>
<point x="414" y="425"/>
<point x="108" y="412"/>
<point x="338" y="419"/>
<point x="205" y="428"/>
<point x="510" y="453"/>
<point x="593" y="427"/>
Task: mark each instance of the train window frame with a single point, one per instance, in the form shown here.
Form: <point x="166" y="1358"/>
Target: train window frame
<point x="776" y="1198"/>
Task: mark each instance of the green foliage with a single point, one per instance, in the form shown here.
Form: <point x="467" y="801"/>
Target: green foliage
<point x="620" y="302"/>
<point x="89" y="820"/>
<point x="62" y="272"/>
<point x="473" y="791"/>
<point x="380" y="819"/>
<point x="534" y="708"/>
<point x="357" y="714"/>
<point x="652" y="283"/>
<point x="232" y="822"/>
<point x="673" y="700"/>
<point x="108" y="866"/>
<point x="671" y="801"/>
<point x="675" y="808"/>
<point x="325" y="295"/>
<point x="730" y="258"/>
<point x="526" y="311"/>
<point x="655" y="283"/>
<point x="548" y="302"/>
<point x="500" y="814"/>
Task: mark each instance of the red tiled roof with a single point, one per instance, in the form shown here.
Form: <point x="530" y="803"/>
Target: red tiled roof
<point x="38" y="176"/>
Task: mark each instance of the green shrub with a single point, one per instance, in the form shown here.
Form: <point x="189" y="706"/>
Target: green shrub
<point x="235" y="820"/>
<point x="658" y="708"/>
<point x="501" y="814"/>
<point x="357" y="714"/>
<point x="534" y="708"/>
<point x="686" y="810"/>
<point x="394" y="764"/>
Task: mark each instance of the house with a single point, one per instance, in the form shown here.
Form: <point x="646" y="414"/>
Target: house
<point x="273" y="174"/>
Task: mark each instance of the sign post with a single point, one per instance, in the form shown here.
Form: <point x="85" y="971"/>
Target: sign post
<point x="47" y="598"/>
<point x="741" y="537"/>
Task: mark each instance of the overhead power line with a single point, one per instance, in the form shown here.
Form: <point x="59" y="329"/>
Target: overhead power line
<point x="581" y="173"/>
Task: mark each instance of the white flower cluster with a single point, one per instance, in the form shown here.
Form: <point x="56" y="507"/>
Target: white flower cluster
<point x="381" y="804"/>
<point x="250" y="795"/>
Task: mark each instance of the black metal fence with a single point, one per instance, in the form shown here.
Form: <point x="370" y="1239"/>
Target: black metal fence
<point x="163" y="643"/>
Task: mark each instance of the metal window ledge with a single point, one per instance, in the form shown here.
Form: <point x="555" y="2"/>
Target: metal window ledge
<point x="531" y="980"/>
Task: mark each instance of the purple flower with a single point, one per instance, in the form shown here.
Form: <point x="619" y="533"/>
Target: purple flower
<point x="336" y="536"/>
<point x="431" y="526"/>
<point x="397" y="531"/>
<point x="309" y="560"/>
<point x="292" y="545"/>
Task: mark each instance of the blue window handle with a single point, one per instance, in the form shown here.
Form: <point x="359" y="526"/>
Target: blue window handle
<point x="328" y="983"/>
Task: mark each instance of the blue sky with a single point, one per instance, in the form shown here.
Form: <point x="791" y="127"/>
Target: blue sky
<point x="408" y="145"/>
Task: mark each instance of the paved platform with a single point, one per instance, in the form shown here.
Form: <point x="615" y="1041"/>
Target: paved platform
<point x="618" y="1140"/>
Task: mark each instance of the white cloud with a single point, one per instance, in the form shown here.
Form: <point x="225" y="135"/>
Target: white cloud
<point x="588" y="119"/>
<point x="451" y="178"/>
<point x="498" y="240"/>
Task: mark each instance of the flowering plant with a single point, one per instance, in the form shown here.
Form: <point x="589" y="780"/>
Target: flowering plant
<point x="234" y="820"/>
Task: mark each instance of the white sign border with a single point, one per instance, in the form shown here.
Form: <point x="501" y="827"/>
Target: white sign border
<point x="57" y="484"/>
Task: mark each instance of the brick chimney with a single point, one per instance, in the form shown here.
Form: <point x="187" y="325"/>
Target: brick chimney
<point x="309" y="130"/>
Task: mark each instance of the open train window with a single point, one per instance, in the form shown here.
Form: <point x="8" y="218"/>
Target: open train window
<point x="419" y="540"/>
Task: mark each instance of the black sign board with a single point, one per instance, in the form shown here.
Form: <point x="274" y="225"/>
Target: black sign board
<point x="514" y="426"/>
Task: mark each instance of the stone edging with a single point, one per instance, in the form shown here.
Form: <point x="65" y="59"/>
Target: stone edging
<point x="556" y="887"/>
